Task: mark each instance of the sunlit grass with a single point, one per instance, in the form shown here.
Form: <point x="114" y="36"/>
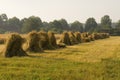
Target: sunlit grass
<point x="97" y="60"/>
<point x="88" y="52"/>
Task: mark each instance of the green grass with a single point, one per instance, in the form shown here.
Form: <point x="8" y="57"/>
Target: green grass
<point x="98" y="60"/>
<point x="56" y="69"/>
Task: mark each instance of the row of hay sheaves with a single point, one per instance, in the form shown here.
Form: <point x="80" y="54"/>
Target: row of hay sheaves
<point x="37" y="42"/>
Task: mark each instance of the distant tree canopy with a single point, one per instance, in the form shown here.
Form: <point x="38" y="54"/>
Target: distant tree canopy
<point x="64" y="24"/>
<point x="77" y="26"/>
<point x="3" y="17"/>
<point x="90" y="25"/>
<point x="118" y="25"/>
<point x="3" y="20"/>
<point x="55" y="26"/>
<point x="14" y="24"/>
<point x="59" y="25"/>
<point x="26" y="25"/>
<point x="32" y="23"/>
<point x="106" y="22"/>
<point x="45" y="26"/>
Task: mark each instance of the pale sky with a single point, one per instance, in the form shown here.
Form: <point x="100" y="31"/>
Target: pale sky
<point x="71" y="10"/>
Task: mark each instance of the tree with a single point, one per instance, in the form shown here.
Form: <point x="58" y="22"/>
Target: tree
<point x="77" y="26"/>
<point x="3" y="20"/>
<point x="45" y="26"/>
<point x="90" y="25"/>
<point x="55" y="26"/>
<point x="59" y="25"/>
<point x="14" y="24"/>
<point x="106" y="22"/>
<point x="64" y="24"/>
<point x="4" y="17"/>
<point x="118" y="25"/>
<point x="32" y="23"/>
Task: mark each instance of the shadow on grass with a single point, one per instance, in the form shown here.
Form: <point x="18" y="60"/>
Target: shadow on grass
<point x="35" y="56"/>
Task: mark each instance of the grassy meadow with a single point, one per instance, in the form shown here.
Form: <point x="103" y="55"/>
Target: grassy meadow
<point x="96" y="60"/>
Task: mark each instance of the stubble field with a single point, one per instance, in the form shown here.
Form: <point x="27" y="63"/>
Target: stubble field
<point x="96" y="60"/>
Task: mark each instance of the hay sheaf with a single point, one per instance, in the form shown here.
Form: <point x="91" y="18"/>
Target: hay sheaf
<point x="96" y="36"/>
<point x="65" y="38"/>
<point x="85" y="37"/>
<point x="105" y="35"/>
<point x="85" y="34"/>
<point x="72" y="38"/>
<point x="33" y="42"/>
<point x="14" y="46"/>
<point x="101" y="35"/>
<point x="61" y="45"/>
<point x="52" y="39"/>
<point x="91" y="37"/>
<point x="78" y="37"/>
<point x="2" y="40"/>
<point x="44" y="40"/>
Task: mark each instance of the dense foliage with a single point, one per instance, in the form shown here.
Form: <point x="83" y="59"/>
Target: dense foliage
<point x="90" y="25"/>
<point x="26" y="25"/>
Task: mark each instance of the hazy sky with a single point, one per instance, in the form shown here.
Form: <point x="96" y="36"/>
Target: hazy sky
<point x="71" y="10"/>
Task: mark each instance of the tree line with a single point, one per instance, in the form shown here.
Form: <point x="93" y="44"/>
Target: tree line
<point x="26" y="25"/>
